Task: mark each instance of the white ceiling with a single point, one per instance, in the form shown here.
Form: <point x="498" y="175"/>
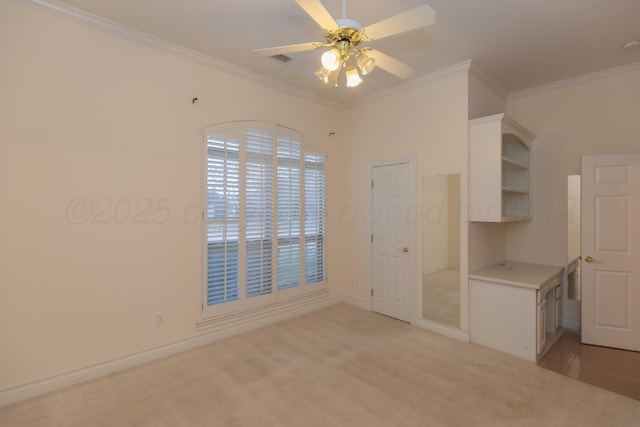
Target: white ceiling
<point x="518" y="44"/>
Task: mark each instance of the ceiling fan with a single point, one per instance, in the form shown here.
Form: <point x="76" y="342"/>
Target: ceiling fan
<point x="343" y="37"/>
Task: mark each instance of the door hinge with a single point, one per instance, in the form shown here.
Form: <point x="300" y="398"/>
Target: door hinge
<point x="371" y="292"/>
<point x="371" y="183"/>
<point x="372" y="238"/>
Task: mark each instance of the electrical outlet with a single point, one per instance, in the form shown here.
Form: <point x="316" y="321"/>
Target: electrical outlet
<point x="159" y="318"/>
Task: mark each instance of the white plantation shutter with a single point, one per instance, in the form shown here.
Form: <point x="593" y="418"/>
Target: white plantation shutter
<point x="223" y="172"/>
<point x="259" y="213"/>
<point x="265" y="220"/>
<point x="289" y="209"/>
<point x="314" y="215"/>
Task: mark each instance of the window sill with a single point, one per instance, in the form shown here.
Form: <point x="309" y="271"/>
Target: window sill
<point x="255" y="314"/>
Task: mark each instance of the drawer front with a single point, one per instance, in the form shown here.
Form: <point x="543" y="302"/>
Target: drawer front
<point x="548" y="287"/>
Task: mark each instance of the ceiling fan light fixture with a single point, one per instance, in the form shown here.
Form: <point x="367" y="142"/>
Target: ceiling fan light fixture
<point x="333" y="77"/>
<point x="331" y="59"/>
<point x="323" y="74"/>
<point x="365" y="63"/>
<point x="353" y="78"/>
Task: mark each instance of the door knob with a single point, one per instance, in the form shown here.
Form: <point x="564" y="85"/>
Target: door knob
<point x="405" y="249"/>
<point x="590" y="259"/>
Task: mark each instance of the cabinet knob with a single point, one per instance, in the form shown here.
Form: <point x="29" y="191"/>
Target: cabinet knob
<point x="405" y="249"/>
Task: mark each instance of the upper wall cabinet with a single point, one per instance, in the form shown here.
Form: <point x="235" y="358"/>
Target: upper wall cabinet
<point x="499" y="170"/>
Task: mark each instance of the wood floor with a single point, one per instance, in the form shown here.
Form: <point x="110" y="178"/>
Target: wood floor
<point x="340" y="366"/>
<point x="608" y="368"/>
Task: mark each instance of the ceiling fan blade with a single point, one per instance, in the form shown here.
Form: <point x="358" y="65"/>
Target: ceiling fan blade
<point x="391" y="65"/>
<point x="421" y="16"/>
<point x="291" y="48"/>
<point x="318" y="13"/>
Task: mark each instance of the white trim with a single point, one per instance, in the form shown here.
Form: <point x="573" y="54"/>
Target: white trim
<point x="575" y="80"/>
<point x="440" y="329"/>
<point x="363" y="305"/>
<point x="47" y="385"/>
<point x="409" y="84"/>
<point x="259" y="312"/>
<point x="573" y="325"/>
<point x="127" y="33"/>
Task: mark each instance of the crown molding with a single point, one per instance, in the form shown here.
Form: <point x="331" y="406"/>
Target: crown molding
<point x="141" y="38"/>
<point x="409" y="84"/>
<point x="575" y="80"/>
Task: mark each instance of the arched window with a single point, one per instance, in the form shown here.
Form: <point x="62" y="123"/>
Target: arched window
<point x="265" y="222"/>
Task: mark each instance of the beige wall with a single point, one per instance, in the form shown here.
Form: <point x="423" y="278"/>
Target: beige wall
<point x="87" y="115"/>
<point x="483" y="99"/>
<point x="427" y="123"/>
<point x="598" y="116"/>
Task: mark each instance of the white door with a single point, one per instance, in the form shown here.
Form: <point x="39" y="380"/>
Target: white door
<point x="611" y="251"/>
<point x="391" y="266"/>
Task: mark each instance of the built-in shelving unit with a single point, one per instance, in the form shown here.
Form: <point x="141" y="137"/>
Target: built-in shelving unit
<point x="499" y="170"/>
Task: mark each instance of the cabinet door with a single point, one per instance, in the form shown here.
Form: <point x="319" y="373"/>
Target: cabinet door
<point x="542" y="326"/>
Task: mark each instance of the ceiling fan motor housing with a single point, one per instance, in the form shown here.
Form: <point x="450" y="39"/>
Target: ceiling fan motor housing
<point x="345" y="38"/>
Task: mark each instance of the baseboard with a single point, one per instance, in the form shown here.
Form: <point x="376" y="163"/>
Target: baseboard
<point x="440" y="329"/>
<point x="354" y="303"/>
<point x="572" y="325"/>
<point x="47" y="385"/>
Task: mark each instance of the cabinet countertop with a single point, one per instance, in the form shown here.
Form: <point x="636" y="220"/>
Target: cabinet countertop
<point x="516" y="273"/>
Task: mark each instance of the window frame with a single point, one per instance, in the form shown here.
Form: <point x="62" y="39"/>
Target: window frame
<point x="276" y="297"/>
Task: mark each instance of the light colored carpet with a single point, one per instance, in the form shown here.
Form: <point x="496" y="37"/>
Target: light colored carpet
<point x="441" y="297"/>
<point x="339" y="366"/>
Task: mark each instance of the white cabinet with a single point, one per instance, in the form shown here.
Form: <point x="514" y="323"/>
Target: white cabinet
<point x="499" y="170"/>
<point x="512" y="307"/>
